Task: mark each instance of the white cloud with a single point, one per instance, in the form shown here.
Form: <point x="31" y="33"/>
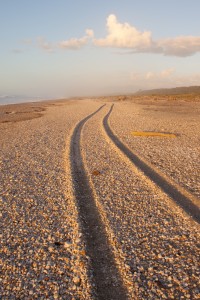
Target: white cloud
<point x="180" y="46"/>
<point x="75" y="43"/>
<point x="124" y="36"/>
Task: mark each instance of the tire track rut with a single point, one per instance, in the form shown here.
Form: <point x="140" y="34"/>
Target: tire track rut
<point x="106" y="277"/>
<point x="178" y="194"/>
<point x="154" y="242"/>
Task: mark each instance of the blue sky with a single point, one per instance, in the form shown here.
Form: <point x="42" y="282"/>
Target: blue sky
<point x="82" y="48"/>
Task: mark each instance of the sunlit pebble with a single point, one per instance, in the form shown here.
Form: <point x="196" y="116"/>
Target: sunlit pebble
<point x="67" y="245"/>
<point x="76" y="280"/>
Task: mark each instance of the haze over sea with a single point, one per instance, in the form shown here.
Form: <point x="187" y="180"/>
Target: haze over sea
<point x="6" y="99"/>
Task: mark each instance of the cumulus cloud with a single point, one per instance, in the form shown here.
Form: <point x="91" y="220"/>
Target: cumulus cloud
<point x="124" y="36"/>
<point x="180" y="46"/>
<point x="77" y="43"/>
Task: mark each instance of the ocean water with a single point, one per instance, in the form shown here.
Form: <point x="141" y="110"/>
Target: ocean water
<point x="17" y="99"/>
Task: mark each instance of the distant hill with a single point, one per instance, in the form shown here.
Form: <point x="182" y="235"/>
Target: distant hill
<point x="171" y="91"/>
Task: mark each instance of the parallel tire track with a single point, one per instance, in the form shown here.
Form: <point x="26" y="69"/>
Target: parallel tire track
<point x="187" y="202"/>
<point x="107" y="280"/>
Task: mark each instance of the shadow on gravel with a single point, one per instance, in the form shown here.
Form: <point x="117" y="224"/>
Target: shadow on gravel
<point x="108" y="284"/>
<point x="182" y="200"/>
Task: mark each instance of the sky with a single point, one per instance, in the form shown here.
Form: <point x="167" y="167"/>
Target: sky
<point x="69" y="48"/>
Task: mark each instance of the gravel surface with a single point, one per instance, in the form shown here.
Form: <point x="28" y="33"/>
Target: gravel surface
<point x="178" y="157"/>
<point x="156" y="245"/>
<point x="42" y="255"/>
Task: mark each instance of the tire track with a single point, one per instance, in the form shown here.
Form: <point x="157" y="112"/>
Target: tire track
<point x="107" y="280"/>
<point x="179" y="195"/>
<point x="144" y="229"/>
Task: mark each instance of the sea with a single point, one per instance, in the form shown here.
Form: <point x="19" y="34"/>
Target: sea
<point x="6" y="99"/>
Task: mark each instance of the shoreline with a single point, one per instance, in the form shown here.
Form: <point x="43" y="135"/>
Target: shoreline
<point x="17" y="112"/>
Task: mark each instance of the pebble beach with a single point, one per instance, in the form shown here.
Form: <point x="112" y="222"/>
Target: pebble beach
<point x="153" y="241"/>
